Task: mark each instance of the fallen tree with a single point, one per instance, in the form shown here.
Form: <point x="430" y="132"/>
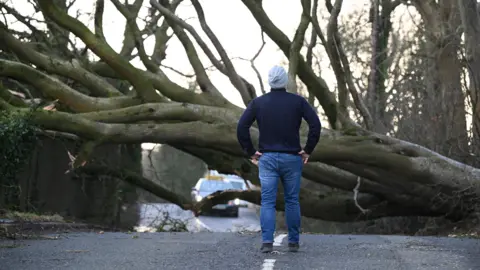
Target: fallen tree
<point x="373" y="175"/>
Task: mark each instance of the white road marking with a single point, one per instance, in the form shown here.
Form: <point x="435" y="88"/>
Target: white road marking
<point x="278" y="240"/>
<point x="268" y="264"/>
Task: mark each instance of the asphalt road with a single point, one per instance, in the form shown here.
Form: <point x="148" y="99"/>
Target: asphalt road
<point x="207" y="250"/>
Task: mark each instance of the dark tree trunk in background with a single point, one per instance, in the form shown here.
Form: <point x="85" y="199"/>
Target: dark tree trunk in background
<point x="471" y="28"/>
<point x="444" y="100"/>
<point x="380" y="18"/>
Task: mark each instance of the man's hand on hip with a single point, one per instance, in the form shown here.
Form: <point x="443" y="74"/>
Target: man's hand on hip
<point x="305" y="156"/>
<point x="256" y="157"/>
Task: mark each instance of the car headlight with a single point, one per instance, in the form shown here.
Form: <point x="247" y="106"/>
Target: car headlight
<point x="198" y="198"/>
<point x="236" y="201"/>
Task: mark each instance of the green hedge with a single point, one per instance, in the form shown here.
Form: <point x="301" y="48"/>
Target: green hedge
<point x="17" y="142"/>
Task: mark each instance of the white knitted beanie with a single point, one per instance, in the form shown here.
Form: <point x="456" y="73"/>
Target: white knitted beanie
<point x="277" y="77"/>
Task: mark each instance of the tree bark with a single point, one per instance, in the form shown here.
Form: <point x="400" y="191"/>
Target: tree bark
<point x="380" y="18"/>
<point x="471" y="28"/>
<point x="444" y="101"/>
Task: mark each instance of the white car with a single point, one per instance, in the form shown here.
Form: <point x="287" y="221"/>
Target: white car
<point x="205" y="187"/>
<point x="239" y="183"/>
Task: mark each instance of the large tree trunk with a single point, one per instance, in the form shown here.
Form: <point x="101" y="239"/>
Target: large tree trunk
<point x="399" y="175"/>
<point x="444" y="101"/>
<point x="380" y="18"/>
<point x="471" y="27"/>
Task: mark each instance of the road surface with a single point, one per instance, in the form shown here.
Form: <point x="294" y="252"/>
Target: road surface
<point x="205" y="250"/>
<point x="153" y="214"/>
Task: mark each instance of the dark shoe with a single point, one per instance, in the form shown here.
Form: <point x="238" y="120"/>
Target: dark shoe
<point x="293" y="247"/>
<point x="266" y="247"/>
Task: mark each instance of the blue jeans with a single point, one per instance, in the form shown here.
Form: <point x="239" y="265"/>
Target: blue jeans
<point x="287" y="168"/>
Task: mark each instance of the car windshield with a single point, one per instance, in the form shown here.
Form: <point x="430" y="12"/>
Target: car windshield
<point x="214" y="185"/>
<point x="237" y="185"/>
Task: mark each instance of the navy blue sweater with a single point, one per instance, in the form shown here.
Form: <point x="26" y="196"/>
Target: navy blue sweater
<point x="279" y="116"/>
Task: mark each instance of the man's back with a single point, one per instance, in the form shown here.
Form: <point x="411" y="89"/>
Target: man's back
<point x="279" y="116"/>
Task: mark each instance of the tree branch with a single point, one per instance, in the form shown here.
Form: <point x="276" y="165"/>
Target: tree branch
<point x="428" y="9"/>
<point x="128" y="38"/>
<point x="102" y="49"/>
<point x="7" y="96"/>
<point x="72" y="69"/>
<point x="297" y="44"/>
<point x="334" y="207"/>
<point x="164" y="112"/>
<point x="237" y="81"/>
<point x="40" y="36"/>
<point x="341" y="65"/>
<point x="161" y="36"/>
<point x="168" y="88"/>
<point x="137" y="36"/>
<point x="54" y="88"/>
<point x="140" y="181"/>
<point x="98" y="19"/>
<point x="252" y="63"/>
<point x="202" y="78"/>
<point x="332" y="28"/>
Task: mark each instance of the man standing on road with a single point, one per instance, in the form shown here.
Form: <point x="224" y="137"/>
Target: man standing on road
<point x="280" y="156"/>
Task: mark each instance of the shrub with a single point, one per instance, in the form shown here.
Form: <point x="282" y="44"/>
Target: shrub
<point x="17" y="141"/>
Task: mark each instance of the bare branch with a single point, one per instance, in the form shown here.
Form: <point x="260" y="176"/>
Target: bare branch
<point x="164" y="112"/>
<point x="72" y="2"/>
<point x="297" y="44"/>
<point x="357" y="99"/>
<point x="239" y="83"/>
<point x="99" y="9"/>
<point x="128" y="37"/>
<point x="72" y="70"/>
<point x="355" y="196"/>
<point x="140" y="181"/>
<point x="332" y="28"/>
<point x="252" y="63"/>
<point x="168" y="88"/>
<point x="22" y="88"/>
<point x="131" y="23"/>
<point x="102" y="49"/>
<point x="161" y="36"/>
<point x="178" y="21"/>
<point x="56" y="89"/>
<point x="35" y="32"/>
<point x="312" y="43"/>
<point x="12" y="99"/>
<point x="202" y="78"/>
<point x="428" y="9"/>
<point x="179" y="72"/>
<point x="84" y="154"/>
<point x="340" y="62"/>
